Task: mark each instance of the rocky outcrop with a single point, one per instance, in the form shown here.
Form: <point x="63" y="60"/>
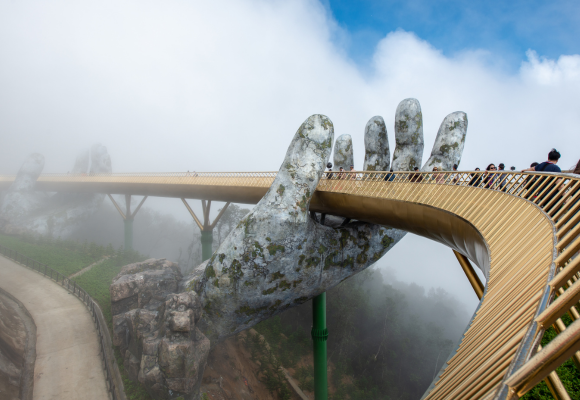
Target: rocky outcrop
<point x="156" y="329"/>
<point x="17" y="349"/>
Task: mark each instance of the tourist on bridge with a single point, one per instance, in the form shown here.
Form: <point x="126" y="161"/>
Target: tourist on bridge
<point x="547" y="166"/>
<point x="438" y="178"/>
<point x="503" y="177"/>
<point x="416" y="177"/>
<point x="475" y="178"/>
<point x="455" y="175"/>
<point x="352" y="172"/>
<point x="390" y="176"/>
<point x="329" y="174"/>
<point x="490" y="178"/>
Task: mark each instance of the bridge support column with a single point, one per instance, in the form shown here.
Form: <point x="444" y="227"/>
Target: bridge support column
<point x="206" y="244"/>
<point x="553" y="380"/>
<point x="128" y="233"/>
<point x="319" y="337"/>
<point x="206" y="228"/>
<point x="128" y="218"/>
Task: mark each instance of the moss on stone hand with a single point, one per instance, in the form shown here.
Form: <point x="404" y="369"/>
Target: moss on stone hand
<point x="281" y="190"/>
<point x="209" y="272"/>
<point x="273" y="248"/>
<point x="446" y="148"/>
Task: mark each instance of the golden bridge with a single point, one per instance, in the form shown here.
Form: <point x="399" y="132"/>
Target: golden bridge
<point x="521" y="229"/>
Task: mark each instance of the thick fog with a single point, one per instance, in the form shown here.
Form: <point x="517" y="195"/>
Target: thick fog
<point x="223" y="86"/>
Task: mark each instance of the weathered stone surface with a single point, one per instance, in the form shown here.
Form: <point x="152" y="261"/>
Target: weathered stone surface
<point x="163" y="348"/>
<point x="132" y="365"/>
<point x="377" y="153"/>
<point x="343" y="153"/>
<point x="449" y="143"/>
<point x="156" y="279"/>
<point x="408" y="136"/>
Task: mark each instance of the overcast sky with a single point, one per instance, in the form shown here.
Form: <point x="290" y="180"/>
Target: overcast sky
<point x="224" y="85"/>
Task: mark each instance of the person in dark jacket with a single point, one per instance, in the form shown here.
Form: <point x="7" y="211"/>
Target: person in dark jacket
<point x="547" y="166"/>
<point x="416" y="177"/>
<point x="475" y="178"/>
<point x="489" y="176"/>
<point x="390" y="176"/>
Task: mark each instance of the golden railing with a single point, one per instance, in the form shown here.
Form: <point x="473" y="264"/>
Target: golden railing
<point x="530" y="229"/>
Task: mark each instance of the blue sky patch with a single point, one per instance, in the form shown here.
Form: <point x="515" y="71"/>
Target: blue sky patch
<point x="505" y="28"/>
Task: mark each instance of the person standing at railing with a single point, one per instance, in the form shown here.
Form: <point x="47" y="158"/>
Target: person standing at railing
<point x="490" y="177"/>
<point x="548" y="166"/>
<point x="529" y="180"/>
<point x="437" y="177"/>
<point x="416" y="177"/>
<point x="475" y="178"/>
<point x="352" y="173"/>
<point x="329" y="173"/>
<point x="502" y="177"/>
<point x="390" y="176"/>
<point x="455" y="174"/>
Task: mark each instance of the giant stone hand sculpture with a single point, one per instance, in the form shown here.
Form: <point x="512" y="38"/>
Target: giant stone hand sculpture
<point x="278" y="256"/>
<point x="23" y="208"/>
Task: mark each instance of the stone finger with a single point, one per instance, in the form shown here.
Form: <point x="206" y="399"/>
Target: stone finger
<point x="408" y="136"/>
<point x="377" y="153"/>
<point x="343" y="153"/>
<point x="449" y="143"/>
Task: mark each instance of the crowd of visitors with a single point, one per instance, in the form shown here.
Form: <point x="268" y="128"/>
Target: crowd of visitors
<point x="542" y="188"/>
<point x="492" y="178"/>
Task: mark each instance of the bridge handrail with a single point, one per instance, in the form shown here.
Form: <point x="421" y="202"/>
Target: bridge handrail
<point x="105" y="343"/>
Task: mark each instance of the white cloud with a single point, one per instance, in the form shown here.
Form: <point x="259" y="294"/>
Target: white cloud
<point x="199" y="85"/>
<point x="544" y="71"/>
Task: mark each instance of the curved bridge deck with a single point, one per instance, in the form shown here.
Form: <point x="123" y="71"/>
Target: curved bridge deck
<point x="520" y="229"/>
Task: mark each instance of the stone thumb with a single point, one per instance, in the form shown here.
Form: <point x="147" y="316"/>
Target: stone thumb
<point x="301" y="170"/>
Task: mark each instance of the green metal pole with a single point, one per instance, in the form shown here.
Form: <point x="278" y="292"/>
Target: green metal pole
<point x="206" y="243"/>
<point x="319" y="337"/>
<point x="129" y="234"/>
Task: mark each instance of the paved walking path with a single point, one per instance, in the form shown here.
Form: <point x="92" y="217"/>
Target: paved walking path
<point x="68" y="365"/>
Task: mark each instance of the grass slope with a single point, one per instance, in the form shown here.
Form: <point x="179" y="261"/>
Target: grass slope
<point x="66" y="257"/>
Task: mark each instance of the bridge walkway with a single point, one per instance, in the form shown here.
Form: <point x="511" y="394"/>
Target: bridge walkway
<point x="68" y="365"/>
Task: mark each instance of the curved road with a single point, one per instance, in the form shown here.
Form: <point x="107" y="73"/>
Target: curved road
<point x="68" y="365"/>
